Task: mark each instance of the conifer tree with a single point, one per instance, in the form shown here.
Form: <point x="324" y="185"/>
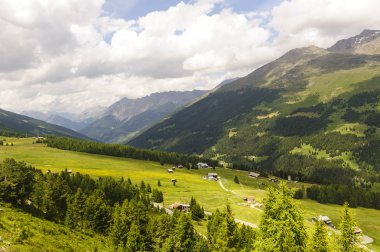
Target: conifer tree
<point x="75" y="210"/>
<point x="135" y="240"/>
<point x="347" y="238"/>
<point x="281" y="225"/>
<point x="236" y="180"/>
<point x="148" y="188"/>
<point x="319" y="242"/>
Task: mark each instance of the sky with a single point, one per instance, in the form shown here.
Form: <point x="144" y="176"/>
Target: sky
<point x="71" y="56"/>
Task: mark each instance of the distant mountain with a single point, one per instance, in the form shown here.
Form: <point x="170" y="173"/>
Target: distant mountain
<point x="68" y="120"/>
<point x="128" y="117"/>
<point x="309" y="93"/>
<point x="12" y="122"/>
<point x="367" y="42"/>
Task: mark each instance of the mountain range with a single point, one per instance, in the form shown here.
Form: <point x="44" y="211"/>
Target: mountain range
<point x="283" y="106"/>
<point x="128" y="117"/>
<point x="12" y="123"/>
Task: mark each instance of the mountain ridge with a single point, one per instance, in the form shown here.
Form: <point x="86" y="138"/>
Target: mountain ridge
<point x="128" y="117"/>
<point x="21" y="124"/>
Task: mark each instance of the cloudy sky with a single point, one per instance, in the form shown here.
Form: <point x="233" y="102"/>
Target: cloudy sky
<point x="70" y="55"/>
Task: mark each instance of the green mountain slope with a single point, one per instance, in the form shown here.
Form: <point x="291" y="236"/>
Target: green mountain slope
<point x="15" y="123"/>
<point x="312" y="97"/>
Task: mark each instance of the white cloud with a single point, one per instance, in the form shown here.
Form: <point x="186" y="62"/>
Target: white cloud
<point x="70" y="55"/>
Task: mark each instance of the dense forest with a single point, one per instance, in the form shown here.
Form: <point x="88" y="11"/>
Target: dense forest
<point x="118" y="150"/>
<point x="124" y="213"/>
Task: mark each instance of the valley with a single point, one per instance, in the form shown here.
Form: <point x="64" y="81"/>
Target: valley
<point x="190" y="183"/>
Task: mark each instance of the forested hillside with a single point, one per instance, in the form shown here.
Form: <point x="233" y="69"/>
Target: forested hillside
<point x="313" y="114"/>
<point x="15" y="124"/>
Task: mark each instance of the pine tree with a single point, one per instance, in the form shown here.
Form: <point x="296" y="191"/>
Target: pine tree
<point x="236" y="180"/>
<point x="142" y="186"/>
<point x="319" y="242"/>
<point x="135" y="240"/>
<point x="281" y="225"/>
<point x="347" y="238"/>
<point x="75" y="210"/>
<point x="223" y="231"/>
<point x="148" y="188"/>
<point x="182" y="236"/>
<point x="197" y="212"/>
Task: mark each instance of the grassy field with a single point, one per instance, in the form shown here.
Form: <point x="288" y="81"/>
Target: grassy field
<point x="308" y="150"/>
<point x="22" y="232"/>
<point x="190" y="183"/>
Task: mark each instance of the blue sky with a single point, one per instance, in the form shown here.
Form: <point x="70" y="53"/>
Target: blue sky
<point x="133" y="9"/>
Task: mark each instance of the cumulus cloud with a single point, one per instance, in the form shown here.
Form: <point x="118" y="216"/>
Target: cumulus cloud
<point x="72" y="55"/>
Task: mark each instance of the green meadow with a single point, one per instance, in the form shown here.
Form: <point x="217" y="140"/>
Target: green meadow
<point x="189" y="183"/>
<point x="28" y="233"/>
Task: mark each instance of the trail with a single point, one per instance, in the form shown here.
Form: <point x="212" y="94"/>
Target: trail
<point x="231" y="191"/>
<point x="224" y="188"/>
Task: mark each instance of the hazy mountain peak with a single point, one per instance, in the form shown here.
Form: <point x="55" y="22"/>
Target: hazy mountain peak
<point x="367" y="42"/>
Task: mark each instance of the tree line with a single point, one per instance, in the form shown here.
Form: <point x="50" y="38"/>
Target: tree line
<point x="119" y="150"/>
<point x="338" y="194"/>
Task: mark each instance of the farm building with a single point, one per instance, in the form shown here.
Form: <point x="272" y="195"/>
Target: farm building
<point x="202" y="165"/>
<point x="170" y="170"/>
<point x="249" y="199"/>
<point x="180" y="166"/>
<point x="357" y="230"/>
<point x="325" y="219"/>
<point x="212" y="175"/>
<point x="180" y="207"/>
<point x="275" y="180"/>
<point x="254" y="175"/>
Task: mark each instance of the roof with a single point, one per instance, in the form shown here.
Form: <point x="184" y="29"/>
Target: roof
<point x="212" y="174"/>
<point x="254" y="174"/>
<point x="324" y="218"/>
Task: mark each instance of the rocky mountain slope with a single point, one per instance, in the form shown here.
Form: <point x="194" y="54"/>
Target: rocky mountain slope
<point x="128" y="117"/>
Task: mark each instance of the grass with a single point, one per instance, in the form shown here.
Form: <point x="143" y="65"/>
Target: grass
<point x="330" y="85"/>
<point x="308" y="150"/>
<point x="351" y="128"/>
<point x="190" y="182"/>
<point x="22" y="232"/>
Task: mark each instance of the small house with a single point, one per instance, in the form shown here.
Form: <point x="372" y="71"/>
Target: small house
<point x="174" y="180"/>
<point x="274" y="180"/>
<point x="69" y="171"/>
<point x="202" y="165"/>
<point x="254" y="175"/>
<point x="180" y="166"/>
<point x="212" y="175"/>
<point x="170" y="170"/>
<point x="325" y="219"/>
<point x="251" y="199"/>
<point x="180" y="207"/>
<point x="357" y="230"/>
